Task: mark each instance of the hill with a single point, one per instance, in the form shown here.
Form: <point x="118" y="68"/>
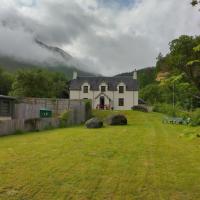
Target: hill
<point x="60" y="62"/>
<point x="12" y="65"/>
<point x="146" y="76"/>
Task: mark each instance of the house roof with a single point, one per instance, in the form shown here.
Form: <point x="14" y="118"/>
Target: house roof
<point x="112" y="82"/>
<point x="7" y="97"/>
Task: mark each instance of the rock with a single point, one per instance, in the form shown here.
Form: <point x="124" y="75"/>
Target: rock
<point x="117" y="119"/>
<point x="94" y="123"/>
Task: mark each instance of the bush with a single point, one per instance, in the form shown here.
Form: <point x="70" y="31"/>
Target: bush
<point x="88" y="110"/>
<point x="195" y="118"/>
<point x="140" y="108"/>
<point x="64" y="117"/>
<point x="167" y="109"/>
<point x="178" y="112"/>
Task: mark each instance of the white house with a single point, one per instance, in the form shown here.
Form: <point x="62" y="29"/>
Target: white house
<point x="118" y="93"/>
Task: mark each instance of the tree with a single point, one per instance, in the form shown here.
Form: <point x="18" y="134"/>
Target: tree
<point x="146" y="76"/>
<point x="163" y="63"/>
<point x="151" y="94"/>
<point x="181" y="53"/>
<point x="195" y="2"/>
<point x="6" y="80"/>
<point x="179" y="91"/>
<point x="194" y="67"/>
<point x="175" y="90"/>
<point x="38" y="83"/>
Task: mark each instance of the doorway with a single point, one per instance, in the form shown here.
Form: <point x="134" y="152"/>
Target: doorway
<point x="102" y="102"/>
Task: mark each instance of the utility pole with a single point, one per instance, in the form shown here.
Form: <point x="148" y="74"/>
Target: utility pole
<point x="173" y="95"/>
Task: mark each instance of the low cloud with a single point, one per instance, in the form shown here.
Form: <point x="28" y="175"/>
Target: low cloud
<point x="107" y="38"/>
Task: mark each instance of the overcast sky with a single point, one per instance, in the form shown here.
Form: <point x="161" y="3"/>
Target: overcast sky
<point x="109" y="36"/>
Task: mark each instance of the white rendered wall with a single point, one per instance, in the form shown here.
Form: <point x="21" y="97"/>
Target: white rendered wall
<point x="130" y="97"/>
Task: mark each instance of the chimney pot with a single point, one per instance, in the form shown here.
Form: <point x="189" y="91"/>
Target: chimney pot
<point x="135" y="75"/>
<point x="75" y="74"/>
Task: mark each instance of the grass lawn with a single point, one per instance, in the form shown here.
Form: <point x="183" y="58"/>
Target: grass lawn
<point x="144" y="160"/>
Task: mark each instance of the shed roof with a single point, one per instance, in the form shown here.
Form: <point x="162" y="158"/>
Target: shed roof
<point x="7" y="97"/>
<point x="112" y="82"/>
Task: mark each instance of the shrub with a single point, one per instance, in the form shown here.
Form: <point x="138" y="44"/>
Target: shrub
<point x="195" y="118"/>
<point x="167" y="109"/>
<point x="140" y="108"/>
<point x="64" y="117"/>
<point x="88" y="109"/>
<point x="178" y="112"/>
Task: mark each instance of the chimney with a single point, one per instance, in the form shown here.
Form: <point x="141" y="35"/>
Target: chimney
<point x="75" y="74"/>
<point x="135" y="75"/>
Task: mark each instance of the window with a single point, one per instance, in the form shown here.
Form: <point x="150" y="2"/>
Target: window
<point x="85" y="89"/>
<point x="121" y="102"/>
<point x="5" y="108"/>
<point x="103" y="88"/>
<point x="121" y="89"/>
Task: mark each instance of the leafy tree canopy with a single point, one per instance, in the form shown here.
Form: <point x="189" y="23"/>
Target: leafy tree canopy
<point x="38" y="83"/>
<point x="184" y="58"/>
<point x="6" y="80"/>
<point x="195" y="2"/>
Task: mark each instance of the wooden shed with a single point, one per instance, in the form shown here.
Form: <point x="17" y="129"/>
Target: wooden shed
<point x="7" y="105"/>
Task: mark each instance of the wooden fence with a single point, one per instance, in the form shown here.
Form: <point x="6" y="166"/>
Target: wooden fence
<point x="28" y="109"/>
<point x="12" y="126"/>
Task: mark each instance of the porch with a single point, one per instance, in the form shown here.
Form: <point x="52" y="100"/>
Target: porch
<point x="103" y="102"/>
<point x="104" y="107"/>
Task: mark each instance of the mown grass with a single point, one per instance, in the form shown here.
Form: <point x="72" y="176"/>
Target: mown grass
<point x="144" y="160"/>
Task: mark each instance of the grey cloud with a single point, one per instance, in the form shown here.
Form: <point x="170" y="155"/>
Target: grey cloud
<point x="106" y="39"/>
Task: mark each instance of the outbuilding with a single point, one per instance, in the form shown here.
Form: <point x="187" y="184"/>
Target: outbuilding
<point x="7" y="105"/>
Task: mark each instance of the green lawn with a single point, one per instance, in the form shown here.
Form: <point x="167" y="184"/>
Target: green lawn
<point x="144" y="160"/>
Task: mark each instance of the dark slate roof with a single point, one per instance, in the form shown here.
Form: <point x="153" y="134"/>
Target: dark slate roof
<point x="112" y="82"/>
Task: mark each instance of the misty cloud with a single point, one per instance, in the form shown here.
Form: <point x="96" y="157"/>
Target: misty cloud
<point x="107" y="37"/>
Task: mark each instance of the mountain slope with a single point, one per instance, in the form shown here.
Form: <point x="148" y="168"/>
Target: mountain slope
<point x="12" y="65"/>
<point x="63" y="62"/>
<point x="145" y="76"/>
<point x="55" y="50"/>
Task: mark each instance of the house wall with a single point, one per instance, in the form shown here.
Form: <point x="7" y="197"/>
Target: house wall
<point x="130" y="98"/>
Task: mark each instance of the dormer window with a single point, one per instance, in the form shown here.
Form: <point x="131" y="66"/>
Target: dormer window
<point x="85" y="89"/>
<point x="103" y="88"/>
<point x="121" y="89"/>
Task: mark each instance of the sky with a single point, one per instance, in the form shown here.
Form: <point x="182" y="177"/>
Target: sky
<point x="106" y="36"/>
